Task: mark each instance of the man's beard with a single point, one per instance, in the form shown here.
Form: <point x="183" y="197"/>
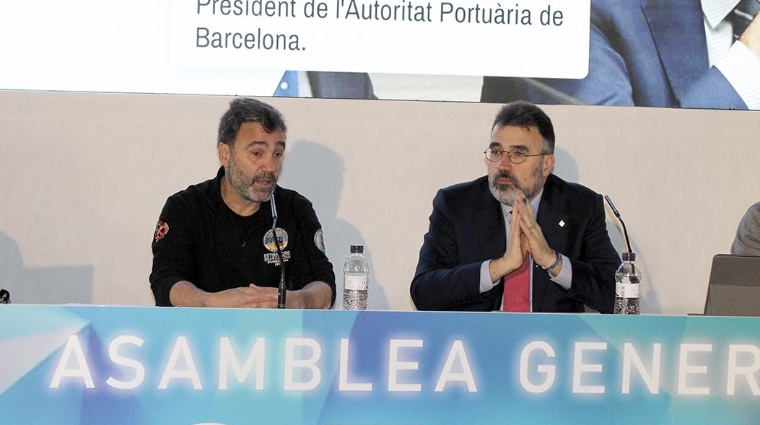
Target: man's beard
<point x="244" y="185"/>
<point x="507" y="193"/>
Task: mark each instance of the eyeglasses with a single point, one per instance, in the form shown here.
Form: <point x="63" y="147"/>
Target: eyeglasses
<point x="515" y="156"/>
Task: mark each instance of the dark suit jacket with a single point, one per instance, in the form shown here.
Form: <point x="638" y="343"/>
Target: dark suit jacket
<point x="467" y="228"/>
<point x="642" y="52"/>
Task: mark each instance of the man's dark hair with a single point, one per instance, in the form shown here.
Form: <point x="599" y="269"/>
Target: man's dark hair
<point x="525" y="114"/>
<point x="243" y="110"/>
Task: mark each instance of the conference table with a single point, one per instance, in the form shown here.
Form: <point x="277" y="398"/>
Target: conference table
<point x="82" y="364"/>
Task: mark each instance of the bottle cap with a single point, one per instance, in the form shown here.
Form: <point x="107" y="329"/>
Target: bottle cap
<point x="357" y="249"/>
<point x="629" y="256"/>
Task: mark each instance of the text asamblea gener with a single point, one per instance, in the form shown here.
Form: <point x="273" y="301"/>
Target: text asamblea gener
<point x="538" y="367"/>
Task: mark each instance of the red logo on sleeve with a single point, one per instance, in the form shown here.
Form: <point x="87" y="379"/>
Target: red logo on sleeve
<point x="161" y="230"/>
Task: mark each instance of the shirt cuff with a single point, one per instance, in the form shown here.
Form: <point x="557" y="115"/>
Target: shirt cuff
<point x="485" y="277"/>
<point x="565" y="276"/>
<point x="742" y="70"/>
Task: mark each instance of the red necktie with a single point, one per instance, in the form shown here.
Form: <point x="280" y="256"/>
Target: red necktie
<point x="517" y="289"/>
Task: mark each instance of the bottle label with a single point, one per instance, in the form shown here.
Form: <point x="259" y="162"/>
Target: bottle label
<point x="355" y="283"/>
<point x="627" y="290"/>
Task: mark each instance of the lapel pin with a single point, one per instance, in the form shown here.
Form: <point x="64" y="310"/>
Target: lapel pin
<point x="562" y="223"/>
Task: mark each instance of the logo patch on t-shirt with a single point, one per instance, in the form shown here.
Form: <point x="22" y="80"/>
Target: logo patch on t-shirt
<point x="319" y="240"/>
<point x="282" y="238"/>
<point x="269" y="243"/>
<point x="161" y="230"/>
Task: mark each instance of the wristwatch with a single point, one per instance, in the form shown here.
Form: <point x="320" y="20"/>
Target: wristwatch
<point x="556" y="262"/>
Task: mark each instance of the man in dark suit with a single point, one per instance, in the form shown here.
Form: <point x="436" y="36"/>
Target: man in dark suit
<point x="520" y="223"/>
<point x="662" y="53"/>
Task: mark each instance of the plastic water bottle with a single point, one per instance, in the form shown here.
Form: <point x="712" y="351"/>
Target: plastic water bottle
<point x="355" y="280"/>
<point x="627" y="279"/>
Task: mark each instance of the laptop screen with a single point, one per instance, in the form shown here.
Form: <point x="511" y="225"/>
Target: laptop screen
<point x="734" y="286"/>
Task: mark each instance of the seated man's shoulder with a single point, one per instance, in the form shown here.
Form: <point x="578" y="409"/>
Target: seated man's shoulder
<point x="754" y="210"/>
<point x="463" y="196"/>
<point x="751" y="217"/>
<point x="464" y="188"/>
<point x="194" y="193"/>
<point x="290" y="195"/>
<point x="291" y="200"/>
<point x="572" y="190"/>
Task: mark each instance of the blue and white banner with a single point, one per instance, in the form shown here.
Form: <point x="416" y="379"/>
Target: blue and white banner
<point x="126" y="365"/>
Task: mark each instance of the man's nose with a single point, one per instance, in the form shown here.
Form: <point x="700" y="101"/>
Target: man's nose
<point x="504" y="163"/>
<point x="270" y="163"/>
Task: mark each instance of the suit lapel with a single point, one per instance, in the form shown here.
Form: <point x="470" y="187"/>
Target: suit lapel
<point x="677" y="26"/>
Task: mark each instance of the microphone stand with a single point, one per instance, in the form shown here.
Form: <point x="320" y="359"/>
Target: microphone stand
<point x="281" y="289"/>
<point x="617" y="214"/>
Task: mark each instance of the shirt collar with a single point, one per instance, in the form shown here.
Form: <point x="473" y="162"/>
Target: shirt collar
<point x="715" y="11"/>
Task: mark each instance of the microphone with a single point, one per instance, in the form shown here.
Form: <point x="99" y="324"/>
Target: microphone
<point x="281" y="289"/>
<point x="617" y="214"/>
<point x="5" y="297"/>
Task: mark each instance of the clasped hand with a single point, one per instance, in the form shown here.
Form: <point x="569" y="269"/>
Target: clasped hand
<point x="525" y="237"/>
<point x="251" y="296"/>
<point x="751" y="36"/>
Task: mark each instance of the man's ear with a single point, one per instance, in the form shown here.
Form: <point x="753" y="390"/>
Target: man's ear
<point x="224" y="152"/>
<point x="548" y="165"/>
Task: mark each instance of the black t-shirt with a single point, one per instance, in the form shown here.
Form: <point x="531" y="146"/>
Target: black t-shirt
<point x="199" y="239"/>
